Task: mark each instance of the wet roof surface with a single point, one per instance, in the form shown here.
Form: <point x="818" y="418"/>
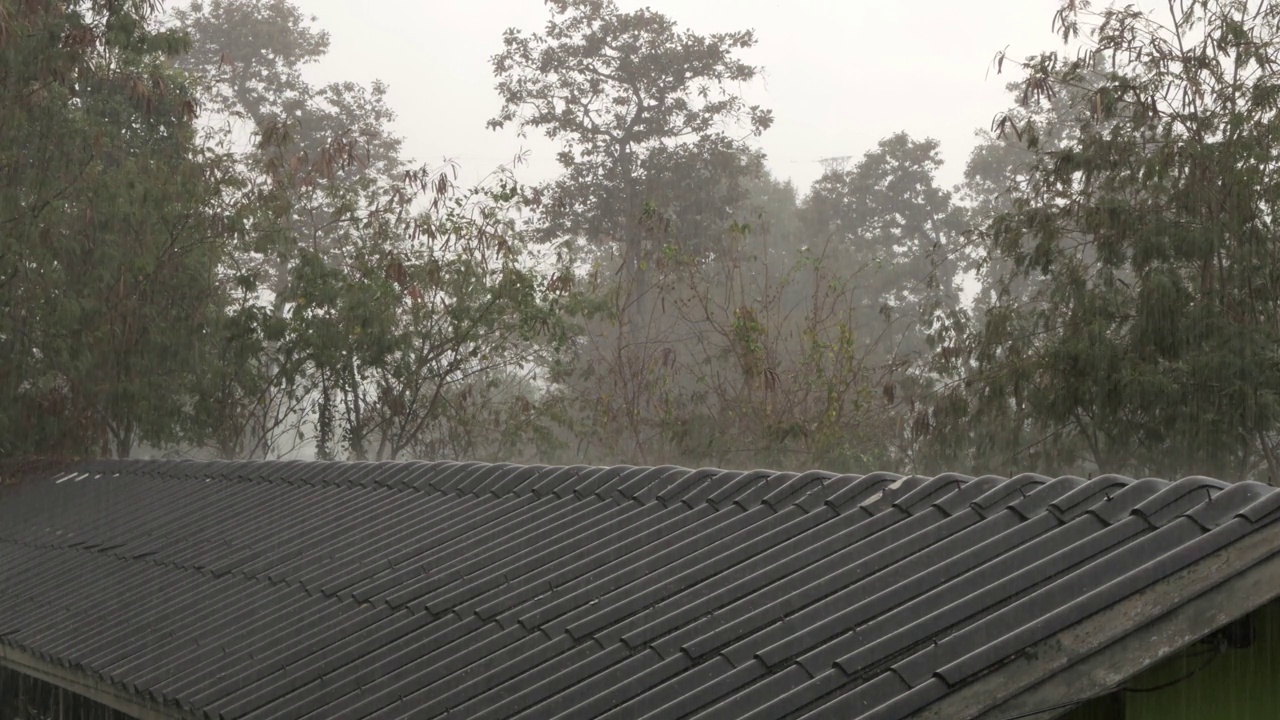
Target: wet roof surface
<point x="390" y="590"/>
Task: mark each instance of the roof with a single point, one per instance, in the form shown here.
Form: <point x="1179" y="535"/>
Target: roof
<point x="383" y="590"/>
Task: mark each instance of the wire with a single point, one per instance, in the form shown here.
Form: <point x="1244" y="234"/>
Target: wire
<point x="1214" y="654"/>
<point x="1051" y="708"/>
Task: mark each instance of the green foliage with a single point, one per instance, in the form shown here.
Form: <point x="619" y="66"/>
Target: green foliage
<point x="400" y="330"/>
<point x="716" y="340"/>
<point x="111" y="220"/>
<point x="895" y="231"/>
<point x="665" y="299"/>
<point x="368" y="285"/>
<point x="1134" y="325"/>
<point x="155" y="290"/>
<point x="607" y="81"/>
<point x="644" y="113"/>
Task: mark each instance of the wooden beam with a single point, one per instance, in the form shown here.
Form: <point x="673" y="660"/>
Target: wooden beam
<point x="1111" y="646"/>
<point x="86" y="686"/>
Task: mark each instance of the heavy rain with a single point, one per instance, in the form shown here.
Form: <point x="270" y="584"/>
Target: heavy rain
<point x="1001" y="276"/>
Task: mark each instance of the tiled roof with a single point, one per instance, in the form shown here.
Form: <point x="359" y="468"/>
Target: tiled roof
<point x="388" y="590"/>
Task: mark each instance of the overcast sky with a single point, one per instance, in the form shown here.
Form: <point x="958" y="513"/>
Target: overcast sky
<point x="839" y="74"/>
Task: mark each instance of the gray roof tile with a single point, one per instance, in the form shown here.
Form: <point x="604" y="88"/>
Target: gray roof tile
<point x="387" y="590"/>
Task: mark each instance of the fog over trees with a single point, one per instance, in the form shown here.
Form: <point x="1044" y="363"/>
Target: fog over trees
<point x="203" y="253"/>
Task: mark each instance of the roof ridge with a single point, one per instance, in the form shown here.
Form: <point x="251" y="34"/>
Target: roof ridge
<point x="621" y="484"/>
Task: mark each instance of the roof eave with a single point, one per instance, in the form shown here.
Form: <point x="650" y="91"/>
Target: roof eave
<point x="1109" y="647"/>
<point x="83" y="684"/>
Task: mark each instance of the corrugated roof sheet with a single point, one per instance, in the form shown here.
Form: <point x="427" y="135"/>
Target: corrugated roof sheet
<point x="392" y="590"/>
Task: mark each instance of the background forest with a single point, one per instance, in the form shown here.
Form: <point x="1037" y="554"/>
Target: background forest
<point x="204" y="254"/>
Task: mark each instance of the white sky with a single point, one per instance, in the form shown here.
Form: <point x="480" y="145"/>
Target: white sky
<point x="839" y="74"/>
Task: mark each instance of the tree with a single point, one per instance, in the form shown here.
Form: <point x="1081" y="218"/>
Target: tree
<point x="656" y="167"/>
<point x="324" y="173"/>
<point x="1148" y="342"/>
<point x="636" y="103"/>
<point x="752" y="357"/>
<point x="422" y="317"/>
<point x="112" y="223"/>
<point x="251" y="54"/>
<point x="322" y="149"/>
<point x="897" y="234"/>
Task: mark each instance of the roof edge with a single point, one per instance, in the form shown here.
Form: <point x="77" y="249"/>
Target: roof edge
<point x="1109" y="647"/>
<point x="86" y="686"/>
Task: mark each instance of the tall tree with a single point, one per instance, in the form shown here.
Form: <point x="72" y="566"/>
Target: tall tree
<point x="324" y="149"/>
<point x="897" y="234"/>
<point x="113" y="219"/>
<point x="636" y="103"/>
<point x="325" y="175"/>
<point x="1149" y="340"/>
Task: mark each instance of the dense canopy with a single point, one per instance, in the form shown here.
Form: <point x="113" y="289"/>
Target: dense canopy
<point x="205" y="253"/>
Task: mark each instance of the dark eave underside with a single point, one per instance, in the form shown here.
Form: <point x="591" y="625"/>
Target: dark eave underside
<point x="352" y="590"/>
